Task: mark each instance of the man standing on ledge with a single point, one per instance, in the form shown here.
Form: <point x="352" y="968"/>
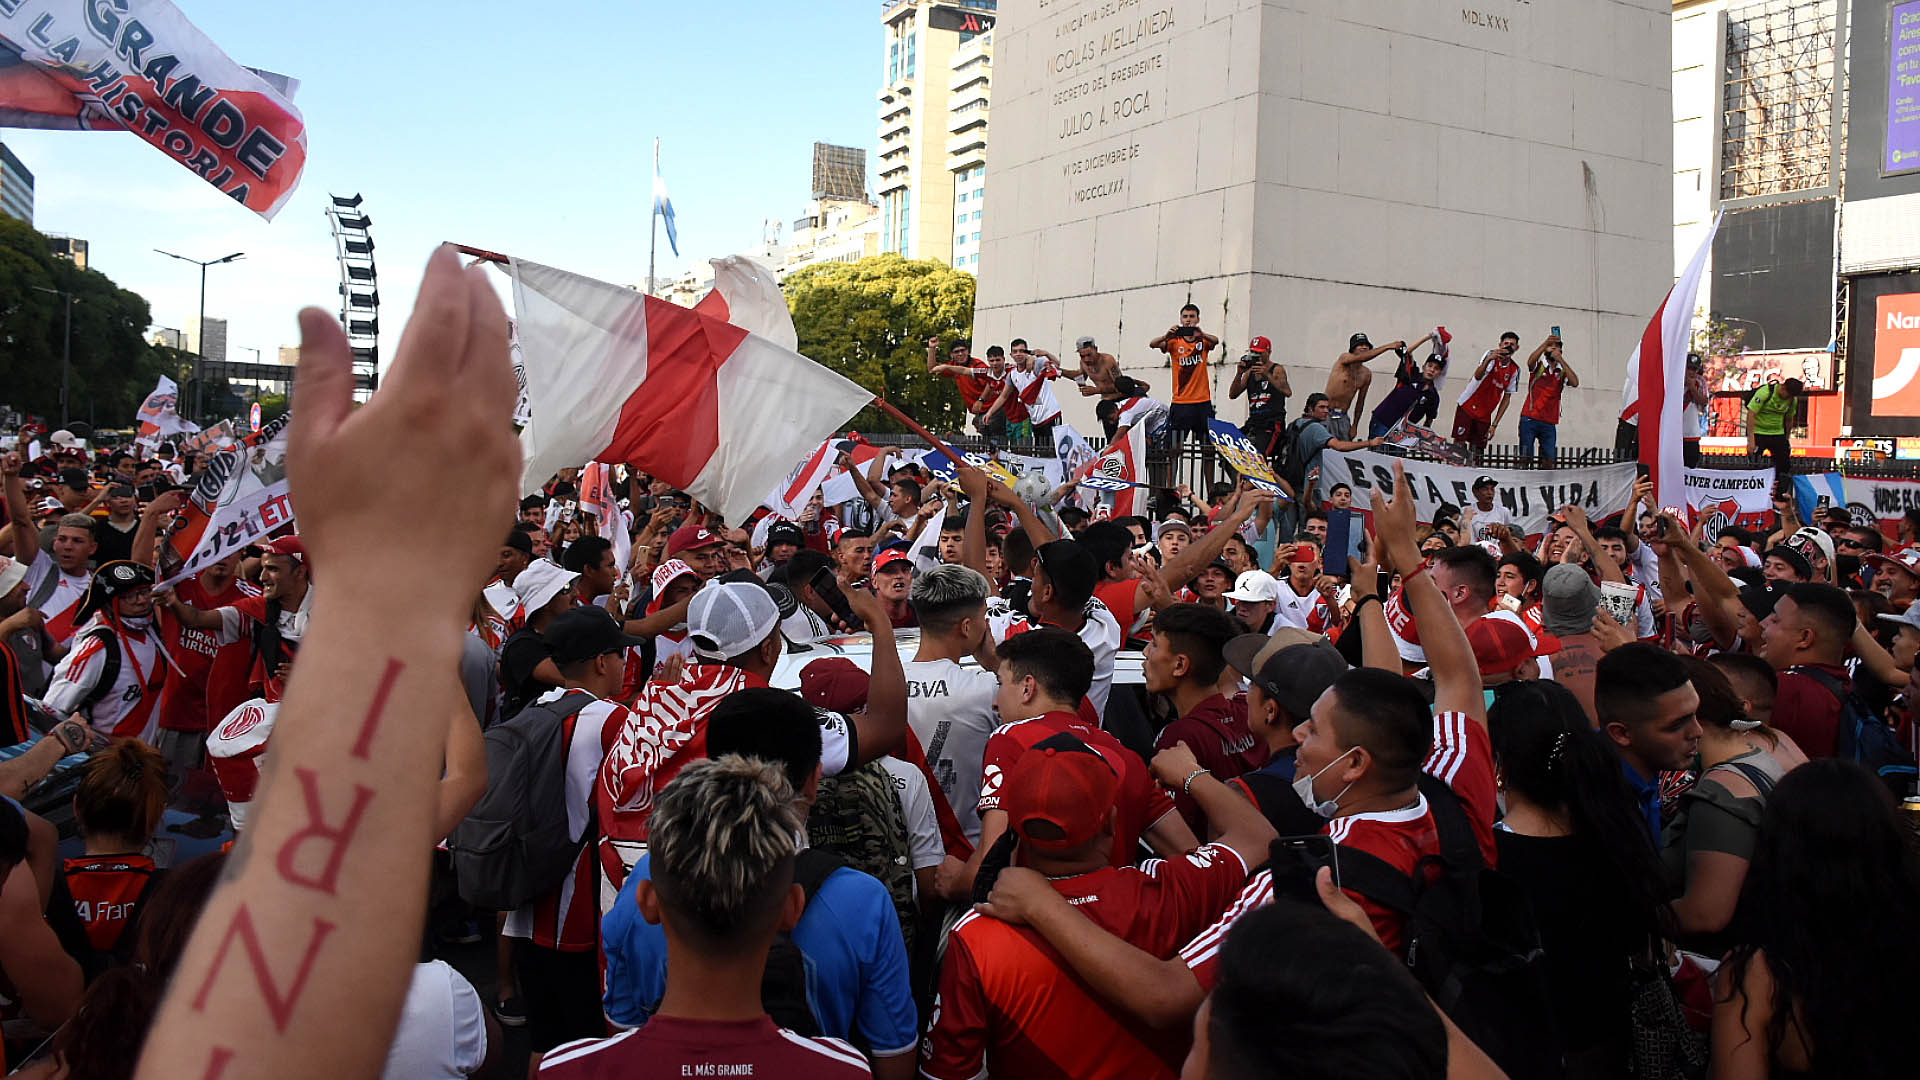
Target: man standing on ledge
<point x="1188" y="348"/>
<point x="1768" y="414"/>
<point x="1348" y="381"/>
<point x="1483" y="404"/>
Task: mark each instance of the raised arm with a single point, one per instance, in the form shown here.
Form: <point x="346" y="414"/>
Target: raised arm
<point x="1713" y="590"/>
<point x="883" y="727"/>
<point x="1577" y="521"/>
<point x="1456" y="675"/>
<point x="1377" y="649"/>
<point x="1037" y="530"/>
<point x="146" y="537"/>
<point x="26" y="542"/>
<point x="973" y="539"/>
<point x="1187" y="565"/>
<point x="317" y="926"/>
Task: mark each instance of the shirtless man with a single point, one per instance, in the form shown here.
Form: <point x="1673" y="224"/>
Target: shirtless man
<point x="1098" y="370"/>
<point x="1348" y="381"/>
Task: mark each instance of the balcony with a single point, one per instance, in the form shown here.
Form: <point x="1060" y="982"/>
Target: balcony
<point x="968" y="119"/>
<point x="966" y="151"/>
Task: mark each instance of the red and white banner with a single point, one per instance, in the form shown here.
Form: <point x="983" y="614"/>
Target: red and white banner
<point x="1126" y="460"/>
<point x="140" y="66"/>
<point x="240" y="498"/>
<point x="624" y="378"/>
<point x="597" y="498"/>
<point x="1655" y="389"/>
<point x="790" y="499"/>
<point x="747" y="295"/>
<point x="158" y="416"/>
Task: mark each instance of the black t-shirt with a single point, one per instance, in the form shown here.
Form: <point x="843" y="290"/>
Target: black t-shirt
<point x="522" y="653"/>
<point x="1265" y="404"/>
<point x="113" y="544"/>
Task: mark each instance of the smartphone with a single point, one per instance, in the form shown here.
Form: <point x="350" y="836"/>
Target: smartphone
<point x="1556" y="331"/>
<point x="1385" y="583"/>
<point x="1345" y="533"/>
<point x="827" y="588"/>
<point x="147" y="492"/>
<point x="1296" y="861"/>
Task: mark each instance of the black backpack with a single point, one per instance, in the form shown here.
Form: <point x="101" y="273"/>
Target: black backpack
<point x="514" y="845"/>
<point x="1470" y="939"/>
<point x="1293" y="465"/>
<point x="783" y="987"/>
<point x="109" y="667"/>
<point x="1866" y="738"/>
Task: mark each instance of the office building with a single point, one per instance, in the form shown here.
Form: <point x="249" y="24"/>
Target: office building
<point x="841" y="223"/>
<point x="168" y="337"/>
<point x="933" y="128"/>
<point x="289" y="355"/>
<point x="70" y="248"/>
<point x="16" y="187"/>
<point x="214" y="344"/>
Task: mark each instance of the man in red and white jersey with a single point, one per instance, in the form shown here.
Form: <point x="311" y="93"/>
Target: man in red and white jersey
<point x="558" y="934"/>
<point x="1362" y="749"/>
<point x="734" y="628"/>
<point x="273" y="621"/>
<point x="1044" y="673"/>
<point x="1128" y="586"/>
<point x="1299" y="602"/>
<point x="115" y="675"/>
<point x="1484" y="401"/>
<point x="1027" y="386"/>
<point x="724" y="842"/>
<point x="56" y="582"/>
<point x="1004" y="996"/>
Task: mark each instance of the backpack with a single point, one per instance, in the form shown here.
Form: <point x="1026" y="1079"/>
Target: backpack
<point x="1470" y="939"/>
<point x="514" y="846"/>
<point x="857" y="816"/>
<point x="109" y="668"/>
<point x="1293" y="465"/>
<point x="783" y="986"/>
<point x="1866" y="738"/>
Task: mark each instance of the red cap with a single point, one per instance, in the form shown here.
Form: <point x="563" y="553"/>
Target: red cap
<point x="1064" y="783"/>
<point x="1907" y="558"/>
<point x="1260" y="344"/>
<point x="836" y="684"/>
<point x="289" y="546"/>
<point x="691" y="538"/>
<point x="886" y="556"/>
<point x="1501" y="645"/>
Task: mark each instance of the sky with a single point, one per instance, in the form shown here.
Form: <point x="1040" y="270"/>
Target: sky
<point x="521" y="128"/>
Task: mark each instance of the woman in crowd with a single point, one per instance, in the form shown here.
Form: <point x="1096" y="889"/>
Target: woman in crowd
<point x="1823" y="984"/>
<point x="117" y="808"/>
<point x="1711" y="836"/>
<point x="1572" y="837"/>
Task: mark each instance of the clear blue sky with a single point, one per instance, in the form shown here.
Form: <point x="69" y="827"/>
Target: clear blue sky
<point x="524" y="128"/>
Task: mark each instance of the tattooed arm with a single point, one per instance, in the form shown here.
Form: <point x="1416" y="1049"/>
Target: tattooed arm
<point x="316" y="929"/>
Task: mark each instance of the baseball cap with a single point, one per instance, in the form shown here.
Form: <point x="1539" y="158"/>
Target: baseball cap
<point x="785" y="532"/>
<point x="836" y="684"/>
<point x="1792" y="557"/>
<point x="539" y="583"/>
<point x="1085" y="343"/>
<point x="886" y="557"/>
<point x="62" y="437"/>
<point x="290" y="546"/>
<point x="1358" y="341"/>
<point x="1484" y="481"/>
<point x="1808" y="540"/>
<point x="583" y="633"/>
<point x="1911" y="617"/>
<point x="12" y="572"/>
<point x="519" y="541"/>
<point x="1291" y="673"/>
<point x="1172" y="525"/>
<point x="692" y="538"/>
<point x="1501" y="645"/>
<point x="1760" y="599"/>
<point x="1907" y="558"/>
<point x="1063" y="783"/>
<point x="1255" y="586"/>
<point x="729" y="618"/>
<point x="1568" y="597"/>
<point x="1260" y="345"/>
<point x="665" y="575"/>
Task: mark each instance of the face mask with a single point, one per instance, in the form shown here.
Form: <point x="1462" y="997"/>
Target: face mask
<point x="132" y="623"/>
<point x="1303" y="787"/>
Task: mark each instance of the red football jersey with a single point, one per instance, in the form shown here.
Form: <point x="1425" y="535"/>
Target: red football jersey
<point x="1141" y="801"/>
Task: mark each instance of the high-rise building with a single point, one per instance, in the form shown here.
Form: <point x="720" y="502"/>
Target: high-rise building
<point x="289" y="355"/>
<point x="16" y="187"/>
<point x="933" y="127"/>
<point x="170" y="338"/>
<point x="71" y="248"/>
<point x="214" y="346"/>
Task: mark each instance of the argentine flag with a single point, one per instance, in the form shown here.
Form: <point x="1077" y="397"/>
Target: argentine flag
<point x="663" y="206"/>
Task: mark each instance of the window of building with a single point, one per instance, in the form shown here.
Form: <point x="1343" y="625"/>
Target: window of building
<point x="893" y="63"/>
<point x="1777" y="95"/>
<point x="963" y="196"/>
<point x="976" y="215"/>
<point x="911" y="39"/>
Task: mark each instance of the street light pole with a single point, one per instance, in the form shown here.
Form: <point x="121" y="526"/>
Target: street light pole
<point x="66" y="351"/>
<point x="200" y="328"/>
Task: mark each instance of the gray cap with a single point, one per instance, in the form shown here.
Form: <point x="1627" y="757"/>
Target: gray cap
<point x="1294" y="675"/>
<point x="1910" y="617"/>
<point x="1085" y="343"/>
<point x="1568" y="599"/>
<point x="728" y="618"/>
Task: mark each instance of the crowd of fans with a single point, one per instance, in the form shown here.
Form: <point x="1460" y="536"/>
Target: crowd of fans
<point x="940" y="782"/>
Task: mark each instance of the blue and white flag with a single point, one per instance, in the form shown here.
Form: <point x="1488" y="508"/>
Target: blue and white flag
<point x="663" y="206"/>
<point x="1818" y="491"/>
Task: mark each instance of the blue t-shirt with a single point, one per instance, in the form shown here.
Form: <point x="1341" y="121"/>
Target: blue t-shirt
<point x="856" y="959"/>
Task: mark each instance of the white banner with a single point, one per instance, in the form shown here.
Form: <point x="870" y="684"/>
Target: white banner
<point x="1749" y="490"/>
<point x="1531" y="495"/>
<point x="1885" y="501"/>
<point x="239" y="499"/>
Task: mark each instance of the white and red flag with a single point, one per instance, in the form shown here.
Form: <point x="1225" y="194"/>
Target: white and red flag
<point x="790" y="498"/>
<point x="620" y="377"/>
<point x="158" y="415"/>
<point x="1654" y="393"/>
<point x="1126" y="460"/>
<point x="597" y="498"/>
<point x="747" y="295"/>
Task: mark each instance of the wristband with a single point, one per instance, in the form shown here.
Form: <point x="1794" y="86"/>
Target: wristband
<point x="1362" y="602"/>
<point x="1187" y="788"/>
<point x="1407" y="579"/>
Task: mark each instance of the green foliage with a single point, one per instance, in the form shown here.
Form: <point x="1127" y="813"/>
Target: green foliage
<point x="113" y="367"/>
<point x="1715" y="339"/>
<point x="272" y="405"/>
<point x="870" y="321"/>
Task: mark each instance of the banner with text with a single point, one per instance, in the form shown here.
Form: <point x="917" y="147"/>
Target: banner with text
<point x="1882" y="503"/>
<point x="239" y="499"/>
<point x="1531" y="495"/>
<point x="1742" y="497"/>
<point x="141" y="66"/>
<point x="1241" y="455"/>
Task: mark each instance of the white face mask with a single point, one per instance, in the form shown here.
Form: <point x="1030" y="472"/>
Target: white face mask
<point x="132" y="623"/>
<point x="1303" y="787"/>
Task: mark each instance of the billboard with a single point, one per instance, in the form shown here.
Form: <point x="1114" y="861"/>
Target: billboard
<point x="839" y="172"/>
<point x="1896" y="355"/>
<point x="1902" y="146"/>
<point x="961" y="19"/>
<point x="1748" y="371"/>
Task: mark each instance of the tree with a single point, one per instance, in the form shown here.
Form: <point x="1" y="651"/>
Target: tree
<point x="113" y="367"/>
<point x="870" y="321"/>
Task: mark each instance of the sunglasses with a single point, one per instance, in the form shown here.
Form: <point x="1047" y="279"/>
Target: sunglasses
<point x="1845" y="543"/>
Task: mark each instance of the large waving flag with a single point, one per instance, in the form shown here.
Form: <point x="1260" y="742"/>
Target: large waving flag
<point x="1126" y="461"/>
<point x="1655" y="386"/>
<point x="158" y="415"/>
<point x="747" y="295"/>
<point x="614" y="375"/>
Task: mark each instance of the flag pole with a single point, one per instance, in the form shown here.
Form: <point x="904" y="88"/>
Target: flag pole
<point x="653" y="227"/>
<point x="913" y="425"/>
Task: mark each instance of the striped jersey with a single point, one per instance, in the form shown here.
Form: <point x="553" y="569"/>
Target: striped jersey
<point x="567" y="918"/>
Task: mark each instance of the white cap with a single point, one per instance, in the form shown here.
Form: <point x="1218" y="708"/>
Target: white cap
<point x="63" y="437"/>
<point x="12" y="573"/>
<point x="728" y="618"/>
<point x="539" y="583"/>
<point x="1255" y="586"/>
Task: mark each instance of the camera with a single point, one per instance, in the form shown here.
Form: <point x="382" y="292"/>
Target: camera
<point x="1189" y="332"/>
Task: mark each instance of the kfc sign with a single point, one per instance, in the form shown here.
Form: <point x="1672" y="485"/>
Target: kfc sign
<point x="1896" y="355"/>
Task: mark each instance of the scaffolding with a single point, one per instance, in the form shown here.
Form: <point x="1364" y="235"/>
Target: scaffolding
<point x="1777" y="106"/>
